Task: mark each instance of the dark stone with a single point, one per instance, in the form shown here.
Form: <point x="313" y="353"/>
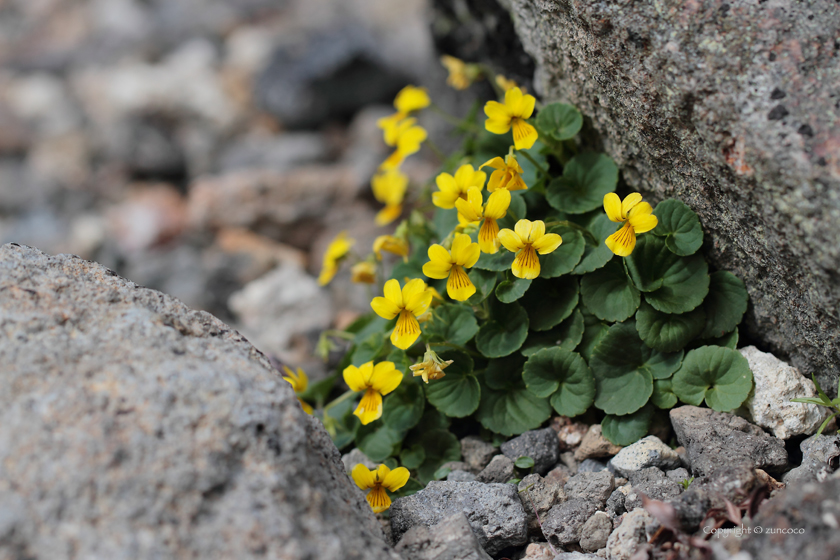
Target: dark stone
<point x="654" y="484"/>
<point x="500" y="469"/>
<point x="777" y="113"/>
<point x="563" y="524"/>
<point x="593" y="488"/>
<point x="542" y="446"/>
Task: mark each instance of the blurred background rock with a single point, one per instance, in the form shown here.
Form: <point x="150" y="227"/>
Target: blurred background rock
<point x="210" y="148"/>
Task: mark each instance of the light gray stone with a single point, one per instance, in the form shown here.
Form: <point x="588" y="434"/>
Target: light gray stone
<point x="820" y="458"/>
<point x="593" y="488"/>
<point x="626" y="540"/>
<point x="678" y="475"/>
<point x="564" y="522"/>
<point x="776" y="384"/>
<point x="654" y="484"/>
<point x="477" y="452"/>
<point x="539" y="495"/>
<point x="494" y="511"/>
<point x="500" y="469"/>
<point x="451" y="539"/>
<point x="542" y="446"/>
<point x="135" y="427"/>
<point x="595" y="532"/>
<point x="647" y="452"/>
<point x="460" y="476"/>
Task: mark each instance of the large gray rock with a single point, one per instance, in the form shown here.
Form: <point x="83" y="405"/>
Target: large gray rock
<point x="451" y="539"/>
<point x="134" y="427"/>
<point x="494" y="511"/>
<point x="730" y="107"/>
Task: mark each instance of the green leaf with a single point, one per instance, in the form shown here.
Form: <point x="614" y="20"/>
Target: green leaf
<point x="379" y="443"/>
<point x="498" y="262"/>
<point x="563" y="259"/>
<point x="624" y="369"/>
<point x="341" y="424"/>
<point x="511" y="290"/>
<point x="627" y="429"/>
<point x="609" y="294"/>
<point x="452" y="323"/>
<point x="442" y="473"/>
<point x="593" y="331"/>
<point x="680" y="227"/>
<point x="484" y="282"/>
<point x="523" y="462"/>
<point x="560" y="121"/>
<point x="504" y="373"/>
<point x="403" y="408"/>
<point x="549" y="302"/>
<point x="672" y="284"/>
<point x="563" y="376"/>
<point x="663" y="395"/>
<point x="567" y="334"/>
<point x="512" y="411"/>
<point x="809" y="400"/>
<point x="400" y="360"/>
<point x="444" y="222"/>
<point x="434" y="419"/>
<point x="668" y="332"/>
<point x="587" y="177"/>
<point x="504" y="332"/>
<point x="413" y="457"/>
<point x="441" y="447"/>
<point x="318" y="392"/>
<point x="719" y="375"/>
<point x="596" y="253"/>
<point x="369" y="349"/>
<point x="457" y="394"/>
<point x="825" y="423"/>
<point x="725" y="305"/>
<point x="375" y="325"/>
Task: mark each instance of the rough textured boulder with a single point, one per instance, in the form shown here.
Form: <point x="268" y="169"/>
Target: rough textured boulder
<point x="732" y="107"/>
<point x="134" y="427"/>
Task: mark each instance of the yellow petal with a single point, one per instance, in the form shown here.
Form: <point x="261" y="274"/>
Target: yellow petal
<point x="445" y="199"/>
<point x="467" y="210"/>
<point x="439" y="254"/>
<point x="513" y="99"/>
<point x="464" y="251"/>
<point x="497" y="127"/>
<point x="488" y="235"/>
<point x="362" y="476"/>
<point x="385" y="377"/>
<point x="524" y="135"/>
<point x="526" y="106"/>
<point x="537" y="231"/>
<point x="396" y="479"/>
<point x="510" y="240"/>
<point x="497" y="204"/>
<point x="523" y="230"/>
<point x="526" y="264"/>
<point x="370" y="407"/>
<point x="547" y="243"/>
<point x="629" y="202"/>
<point x="384" y="307"/>
<point x="459" y="245"/>
<point x="459" y="287"/>
<point x="497" y="111"/>
<point x="436" y="270"/>
<point x="393" y="292"/>
<point x="378" y="499"/>
<point x="623" y="241"/>
<point x="411" y="290"/>
<point x="411" y="98"/>
<point x="406" y="331"/>
<point x="642" y="222"/>
<point x="354" y="378"/>
<point x="495" y="163"/>
<point x="464" y="177"/>
<point x="496" y="180"/>
<point x="418" y="303"/>
<point x="307" y="408"/>
<point x="410" y="140"/>
<point x="380" y="473"/>
<point x="612" y="206"/>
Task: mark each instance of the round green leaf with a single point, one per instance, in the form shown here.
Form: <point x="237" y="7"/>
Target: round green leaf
<point x="403" y="408"/>
<point x="523" y="462"/>
<point x="567" y="334"/>
<point x="457" y="394"/>
<point x="444" y="221"/>
<point x="413" y="457"/>
<point x="512" y="411"/>
<point x="368" y="349"/>
<point x="560" y="121"/>
<point x="668" y="332"/>
<point x="562" y="375"/>
<point x="452" y="323"/>
<point x="503" y="373"/>
<point x="504" y="332"/>
<point x="563" y="259"/>
<point x="380" y="443"/>
<point x="593" y="331"/>
<point x="680" y="227"/>
<point x="511" y="290"/>
<point x="627" y="429"/>
<point x="659" y="364"/>
<point x="587" y="177"/>
<point x="623" y="382"/>
<point x="725" y="305"/>
<point x="484" y="282"/>
<point x="609" y="294"/>
<point x="549" y="302"/>
<point x="672" y="284"/>
<point x="441" y="447"/>
<point x="663" y="395"/>
<point x="497" y="262"/>
<point x="717" y="374"/>
<point x="596" y="253"/>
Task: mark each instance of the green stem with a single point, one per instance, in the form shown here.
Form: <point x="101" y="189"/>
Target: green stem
<point x="349" y="394"/>
<point x="543" y="170"/>
<point x="340" y="334"/>
<point x="455" y="121"/>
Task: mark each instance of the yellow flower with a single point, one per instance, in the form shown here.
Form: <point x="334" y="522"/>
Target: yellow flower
<point x="512" y="113"/>
<point x="299" y="381"/>
<point x="453" y="188"/>
<point x="506" y="84"/>
<point x="508" y="174"/>
<point x="461" y="74"/>
<point x="443" y="264"/>
<point x="375" y="382"/>
<point x="637" y="217"/>
<point x="379" y="480"/>
<point x="406" y="305"/>
<point x="391" y="244"/>
<point x="527" y="238"/>
<point x="471" y="210"/>
<point x="363" y="273"/>
<point x="408" y="100"/>
<point x="389" y="188"/>
<point x="407" y="137"/>
<point x="336" y="250"/>
<point x="431" y="367"/>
